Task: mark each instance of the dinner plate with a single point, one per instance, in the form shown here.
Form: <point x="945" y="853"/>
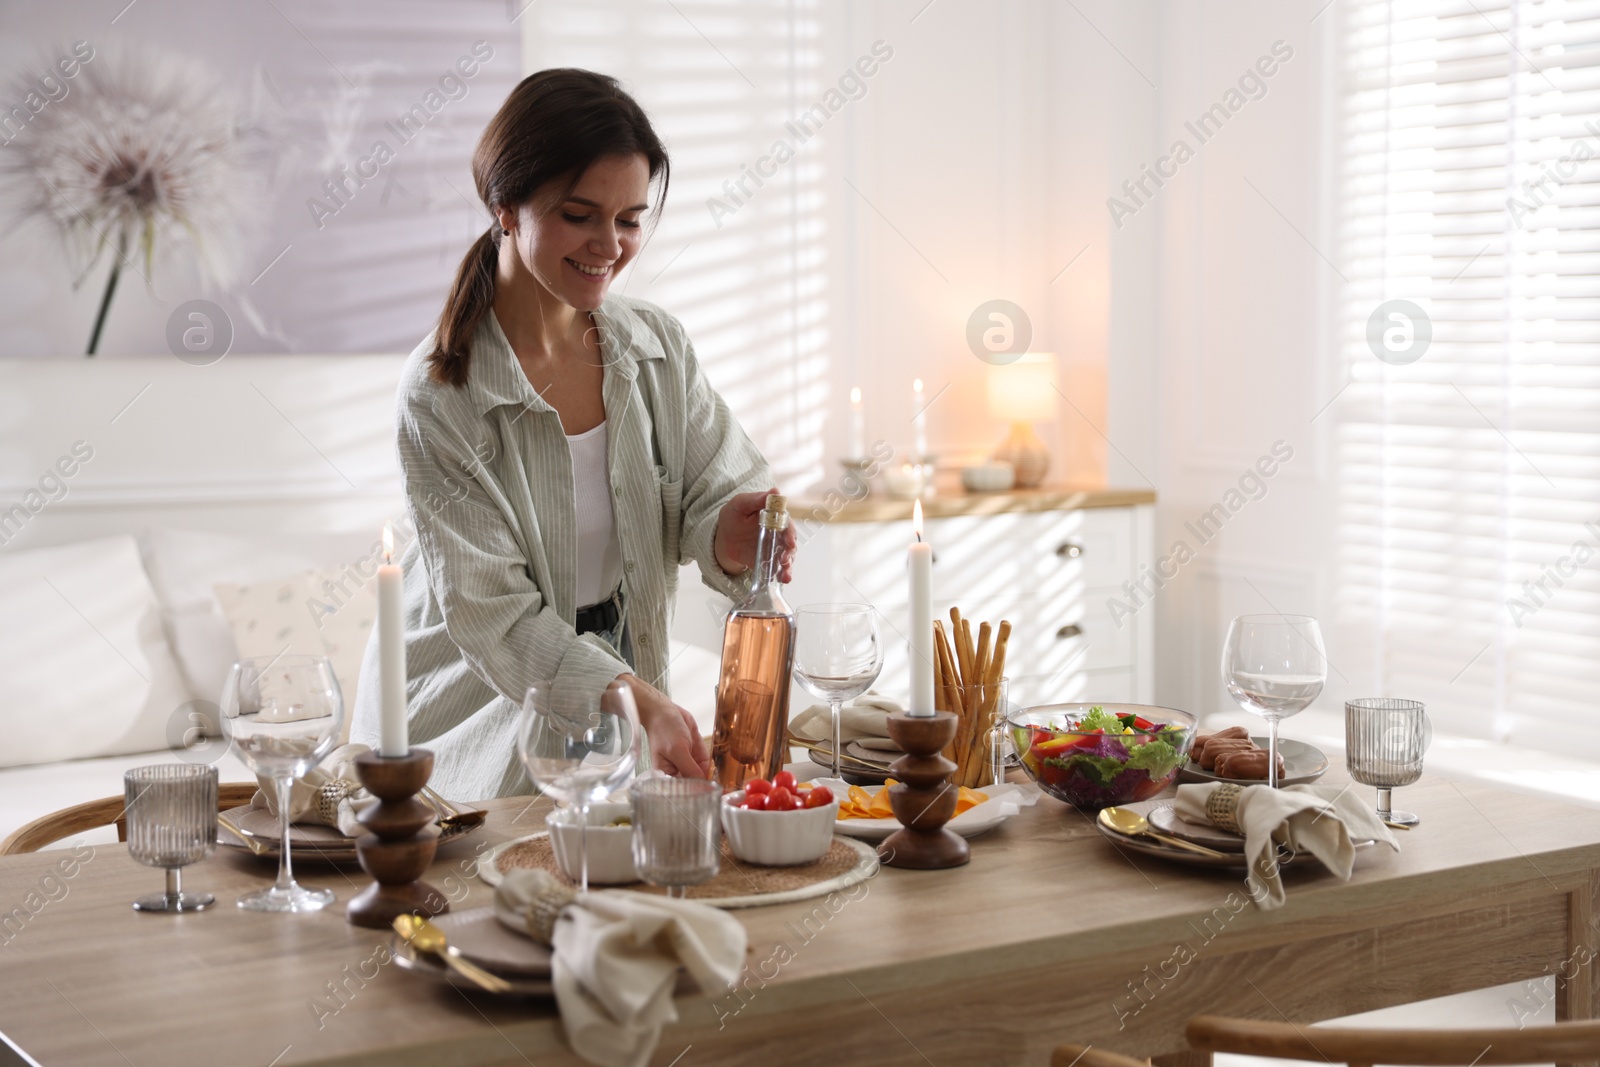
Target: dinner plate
<point x="1164" y="817"/>
<point x="1302" y="764"/>
<point x="485" y="940"/>
<point x="1149" y="846"/>
<point x="307" y="841"/>
<point x="1004" y="801"/>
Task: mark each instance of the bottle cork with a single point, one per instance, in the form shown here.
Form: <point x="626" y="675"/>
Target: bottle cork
<point x="776" y="515"/>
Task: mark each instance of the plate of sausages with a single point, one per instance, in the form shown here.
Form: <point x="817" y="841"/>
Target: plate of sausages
<point x="1232" y="755"/>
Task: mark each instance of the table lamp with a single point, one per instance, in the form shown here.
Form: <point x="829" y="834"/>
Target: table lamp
<point x="1022" y="392"/>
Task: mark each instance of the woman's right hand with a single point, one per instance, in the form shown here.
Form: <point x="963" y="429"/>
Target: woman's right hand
<point x="675" y="743"/>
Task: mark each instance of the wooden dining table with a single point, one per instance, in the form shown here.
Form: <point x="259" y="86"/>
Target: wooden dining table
<point x="1049" y="935"/>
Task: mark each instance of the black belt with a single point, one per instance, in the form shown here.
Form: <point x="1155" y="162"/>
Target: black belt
<point x="599" y="618"/>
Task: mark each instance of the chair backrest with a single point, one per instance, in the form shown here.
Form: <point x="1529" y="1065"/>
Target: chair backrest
<point x="48" y="829"/>
<point x="1570" y="1042"/>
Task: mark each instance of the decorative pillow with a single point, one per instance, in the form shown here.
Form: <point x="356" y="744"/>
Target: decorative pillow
<point x="184" y="565"/>
<point x="313" y="613"/>
<point x="85" y="668"/>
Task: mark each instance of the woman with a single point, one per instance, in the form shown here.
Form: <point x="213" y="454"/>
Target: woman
<point x="562" y="453"/>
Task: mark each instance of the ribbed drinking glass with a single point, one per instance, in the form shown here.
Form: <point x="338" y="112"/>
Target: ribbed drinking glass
<point x="171" y="812"/>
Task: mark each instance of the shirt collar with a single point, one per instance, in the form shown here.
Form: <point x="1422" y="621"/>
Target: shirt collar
<point x="495" y="377"/>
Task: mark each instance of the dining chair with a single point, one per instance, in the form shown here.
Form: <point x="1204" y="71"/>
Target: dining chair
<point x="1568" y="1042"/>
<point x="94" y="813"/>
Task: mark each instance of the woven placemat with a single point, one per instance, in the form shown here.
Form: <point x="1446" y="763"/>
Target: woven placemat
<point x="736" y="882"/>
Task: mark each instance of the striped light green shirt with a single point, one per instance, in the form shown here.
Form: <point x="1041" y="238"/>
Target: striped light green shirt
<point x="490" y="578"/>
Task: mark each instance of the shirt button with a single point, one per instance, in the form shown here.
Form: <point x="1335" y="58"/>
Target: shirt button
<point x="644" y="639"/>
<point x="629" y="567"/>
<point x="617" y="490"/>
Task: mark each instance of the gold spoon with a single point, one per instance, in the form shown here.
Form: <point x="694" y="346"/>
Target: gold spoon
<point x="1132" y="824"/>
<point x="423" y="936"/>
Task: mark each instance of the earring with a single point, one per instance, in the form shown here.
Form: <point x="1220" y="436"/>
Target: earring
<point x="505" y="233"/>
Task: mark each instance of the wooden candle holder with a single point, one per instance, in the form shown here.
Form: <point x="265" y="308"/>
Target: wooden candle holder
<point x="923" y="798"/>
<point x="402" y="841"/>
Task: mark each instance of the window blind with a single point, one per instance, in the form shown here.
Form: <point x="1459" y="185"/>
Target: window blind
<point x="1470" y="477"/>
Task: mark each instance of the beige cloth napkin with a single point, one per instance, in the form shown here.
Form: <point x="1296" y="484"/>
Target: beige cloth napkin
<point x="616" y="959"/>
<point x="866" y="721"/>
<point x="328" y="795"/>
<point x="1320" y="820"/>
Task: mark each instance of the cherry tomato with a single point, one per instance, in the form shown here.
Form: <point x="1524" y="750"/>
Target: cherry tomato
<point x="759" y="785"/>
<point x="783" y="780"/>
<point x="820" y="797"/>
<point x="755" y="801"/>
<point x="778" y="799"/>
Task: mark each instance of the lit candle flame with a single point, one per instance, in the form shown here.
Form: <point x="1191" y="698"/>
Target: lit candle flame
<point x="917" y="385"/>
<point x="916" y="519"/>
<point x="855" y="395"/>
<point x="388" y="542"/>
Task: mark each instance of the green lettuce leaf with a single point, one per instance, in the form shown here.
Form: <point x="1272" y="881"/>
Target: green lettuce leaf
<point x="1100" y="719"/>
<point x="1156" y="756"/>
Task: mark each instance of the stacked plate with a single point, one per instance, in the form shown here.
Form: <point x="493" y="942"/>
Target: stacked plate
<point x="479" y="938"/>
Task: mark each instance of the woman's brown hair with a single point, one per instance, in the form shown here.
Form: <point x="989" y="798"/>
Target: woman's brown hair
<point x="552" y="127"/>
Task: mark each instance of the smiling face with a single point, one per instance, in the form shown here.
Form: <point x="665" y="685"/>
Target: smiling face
<point x="576" y="247"/>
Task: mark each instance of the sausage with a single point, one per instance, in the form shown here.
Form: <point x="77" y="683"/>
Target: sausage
<point x="1218" y="746"/>
<point x="1246" y="763"/>
<point x="1197" y="751"/>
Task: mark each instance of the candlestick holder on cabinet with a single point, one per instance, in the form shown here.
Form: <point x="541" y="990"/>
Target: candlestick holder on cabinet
<point x="923" y="798"/>
<point x="401" y="843"/>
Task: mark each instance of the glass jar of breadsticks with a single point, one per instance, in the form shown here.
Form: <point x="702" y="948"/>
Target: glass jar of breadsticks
<point x="969" y="679"/>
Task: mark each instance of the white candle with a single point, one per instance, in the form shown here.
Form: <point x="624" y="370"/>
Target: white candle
<point x="392" y="738"/>
<point x="919" y="421"/>
<point x="858" y="425"/>
<point x="921" y="569"/>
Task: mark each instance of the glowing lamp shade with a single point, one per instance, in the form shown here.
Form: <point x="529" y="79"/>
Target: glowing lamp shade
<point x="1022" y="392"/>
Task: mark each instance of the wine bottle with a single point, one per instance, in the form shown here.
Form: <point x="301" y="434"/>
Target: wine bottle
<point x="752" y="723"/>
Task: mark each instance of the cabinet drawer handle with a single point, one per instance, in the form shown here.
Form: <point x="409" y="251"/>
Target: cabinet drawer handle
<point x="1069" y="550"/>
<point x="1070" y="630"/>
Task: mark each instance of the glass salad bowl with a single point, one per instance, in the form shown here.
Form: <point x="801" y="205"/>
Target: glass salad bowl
<point x="1094" y="756"/>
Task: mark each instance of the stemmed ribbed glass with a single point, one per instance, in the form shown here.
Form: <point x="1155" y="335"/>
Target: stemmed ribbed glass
<point x="1384" y="739"/>
<point x="1274" y="666"/>
<point x="837" y="656"/>
<point x="171" y="813"/>
<point x="677" y="831"/>
<point x="578" y="749"/>
<point x="282" y="714"/>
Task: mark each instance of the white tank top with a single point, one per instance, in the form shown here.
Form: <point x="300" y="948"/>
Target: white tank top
<point x="599" y="555"/>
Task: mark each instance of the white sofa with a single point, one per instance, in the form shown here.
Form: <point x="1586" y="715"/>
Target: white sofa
<point x="115" y="650"/>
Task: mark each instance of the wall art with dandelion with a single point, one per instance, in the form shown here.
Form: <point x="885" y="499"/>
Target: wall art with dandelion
<point x="139" y="161"/>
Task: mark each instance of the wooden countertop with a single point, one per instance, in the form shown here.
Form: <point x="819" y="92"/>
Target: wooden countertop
<point x="878" y="508"/>
<point x="1050" y="934"/>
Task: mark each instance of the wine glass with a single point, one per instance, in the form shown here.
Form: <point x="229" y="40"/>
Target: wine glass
<point x="837" y="656"/>
<point x="1274" y="667"/>
<point x="578" y="749"/>
<point x="282" y="714"/>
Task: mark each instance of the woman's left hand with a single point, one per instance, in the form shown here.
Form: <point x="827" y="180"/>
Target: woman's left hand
<point x="738" y="530"/>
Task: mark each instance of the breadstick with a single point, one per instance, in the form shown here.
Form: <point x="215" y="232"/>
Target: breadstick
<point x="994" y="670"/>
<point x="951" y="691"/>
<point x="980" y="664"/>
<point x="941" y="699"/>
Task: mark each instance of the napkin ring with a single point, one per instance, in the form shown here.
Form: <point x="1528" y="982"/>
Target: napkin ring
<point x="1222" y="806"/>
<point x="330" y="796"/>
<point x="541" y="913"/>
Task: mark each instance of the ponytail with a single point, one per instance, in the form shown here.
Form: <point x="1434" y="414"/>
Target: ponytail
<point x="471" y="297"/>
<point x="551" y="128"/>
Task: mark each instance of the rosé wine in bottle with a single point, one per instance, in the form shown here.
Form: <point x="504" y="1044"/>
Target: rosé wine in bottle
<point x="757" y="657"/>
